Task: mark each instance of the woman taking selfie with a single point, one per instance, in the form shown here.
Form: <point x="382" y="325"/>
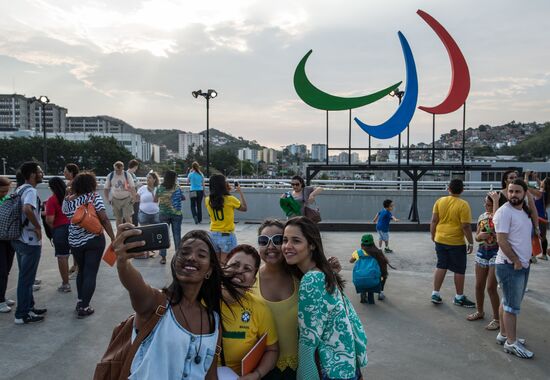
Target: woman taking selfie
<point x="329" y="327"/>
<point x="184" y="343"/>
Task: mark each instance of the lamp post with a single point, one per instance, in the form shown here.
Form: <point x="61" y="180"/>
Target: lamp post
<point x="399" y="95"/>
<point x="4" y="164"/>
<point x="43" y="100"/>
<point x="210" y="94"/>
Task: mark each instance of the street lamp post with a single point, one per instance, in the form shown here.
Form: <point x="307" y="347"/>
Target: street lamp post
<point x="210" y="94"/>
<point x="43" y="100"/>
<point x="4" y="164"/>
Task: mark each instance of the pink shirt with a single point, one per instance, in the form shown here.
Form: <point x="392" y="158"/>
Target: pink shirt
<point x="54" y="208"/>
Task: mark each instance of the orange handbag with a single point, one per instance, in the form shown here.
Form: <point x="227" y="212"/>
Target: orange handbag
<point x="86" y="217"/>
<point x="535" y="244"/>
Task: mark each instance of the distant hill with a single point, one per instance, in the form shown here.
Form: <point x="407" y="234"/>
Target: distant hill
<point x="218" y="139"/>
<point x="534" y="147"/>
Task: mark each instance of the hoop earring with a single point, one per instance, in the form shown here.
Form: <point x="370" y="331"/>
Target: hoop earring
<point x="207" y="276"/>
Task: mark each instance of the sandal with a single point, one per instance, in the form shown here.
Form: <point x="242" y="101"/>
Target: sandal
<point x="475" y="316"/>
<point x="163" y="260"/>
<point x="493" y="325"/>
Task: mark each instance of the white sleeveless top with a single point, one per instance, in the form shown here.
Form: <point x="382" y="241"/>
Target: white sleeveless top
<point x="172" y="352"/>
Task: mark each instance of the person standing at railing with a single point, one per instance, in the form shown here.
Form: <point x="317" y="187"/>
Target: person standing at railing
<point x="196" y="191"/>
<point x="301" y="194"/>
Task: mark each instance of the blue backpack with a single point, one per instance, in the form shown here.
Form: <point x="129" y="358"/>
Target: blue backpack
<point x="366" y="272"/>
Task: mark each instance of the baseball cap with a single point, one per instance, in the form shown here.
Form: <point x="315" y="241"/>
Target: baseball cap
<point x="367" y="239"/>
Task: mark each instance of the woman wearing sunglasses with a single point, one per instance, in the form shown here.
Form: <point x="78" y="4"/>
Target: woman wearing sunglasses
<point x="293" y="202"/>
<point x="277" y="284"/>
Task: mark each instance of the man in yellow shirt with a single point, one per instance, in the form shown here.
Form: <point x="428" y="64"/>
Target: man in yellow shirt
<point x="450" y="224"/>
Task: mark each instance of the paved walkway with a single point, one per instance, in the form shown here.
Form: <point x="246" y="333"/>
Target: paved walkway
<point x="409" y="338"/>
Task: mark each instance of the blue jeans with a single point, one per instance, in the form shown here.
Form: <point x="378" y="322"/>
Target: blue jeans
<point x="175" y="222"/>
<point x="224" y="242"/>
<point x="145" y="219"/>
<point x="196" y="206"/>
<point x="513" y="283"/>
<point x="28" y="257"/>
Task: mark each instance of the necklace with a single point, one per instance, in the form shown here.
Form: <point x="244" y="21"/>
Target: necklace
<point x="197" y="350"/>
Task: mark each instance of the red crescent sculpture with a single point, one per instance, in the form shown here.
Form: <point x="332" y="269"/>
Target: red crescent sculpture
<point x="460" y="80"/>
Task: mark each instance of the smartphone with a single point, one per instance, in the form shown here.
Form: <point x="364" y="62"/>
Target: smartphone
<point x="236" y="184"/>
<point x="156" y="236"/>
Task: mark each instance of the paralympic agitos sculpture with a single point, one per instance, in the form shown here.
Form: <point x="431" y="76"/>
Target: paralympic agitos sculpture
<point x="456" y="97"/>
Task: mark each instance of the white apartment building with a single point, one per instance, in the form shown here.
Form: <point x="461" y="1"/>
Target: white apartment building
<point x="247" y="154"/>
<point x="268" y="155"/>
<point x="188" y="140"/>
<point x="18" y="112"/>
<point x="319" y="152"/>
<point x="102" y="124"/>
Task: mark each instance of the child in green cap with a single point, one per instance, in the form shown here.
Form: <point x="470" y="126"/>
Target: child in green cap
<point x="368" y="248"/>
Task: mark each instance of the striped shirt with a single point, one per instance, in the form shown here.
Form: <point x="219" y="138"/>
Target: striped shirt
<point x="78" y="236"/>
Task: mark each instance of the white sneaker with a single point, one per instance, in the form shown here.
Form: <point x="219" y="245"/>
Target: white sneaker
<point x="4" y="308"/>
<point x="518" y="349"/>
<point x="501" y="339"/>
<point x="10" y="302"/>
<point x="35" y="288"/>
<point x="37" y="282"/>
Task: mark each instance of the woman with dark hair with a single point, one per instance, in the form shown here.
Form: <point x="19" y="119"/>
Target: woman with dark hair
<point x="169" y="197"/>
<point x="301" y="194"/>
<point x="59" y="224"/>
<point x="247" y="320"/>
<point x="329" y="327"/>
<point x="187" y="338"/>
<point x="7" y="254"/>
<point x="70" y="171"/>
<point x="221" y="207"/>
<point x="196" y="191"/>
<point x="87" y="247"/>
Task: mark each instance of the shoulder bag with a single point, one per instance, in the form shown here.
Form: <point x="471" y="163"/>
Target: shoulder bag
<point x="86" y="217"/>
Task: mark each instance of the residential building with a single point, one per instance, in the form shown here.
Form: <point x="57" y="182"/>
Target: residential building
<point x="188" y="141"/>
<point x="297" y="149"/>
<point x="319" y="152"/>
<point x="268" y="155"/>
<point x="102" y="124"/>
<point x="19" y="113"/>
<point x="247" y="154"/>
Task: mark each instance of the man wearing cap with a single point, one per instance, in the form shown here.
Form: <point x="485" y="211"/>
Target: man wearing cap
<point x="450" y="224"/>
<point x="370" y="249"/>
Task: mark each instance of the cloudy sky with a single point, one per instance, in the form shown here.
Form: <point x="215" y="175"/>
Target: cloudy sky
<point x="139" y="61"/>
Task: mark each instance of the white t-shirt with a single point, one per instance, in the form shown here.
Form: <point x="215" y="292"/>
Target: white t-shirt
<point x="30" y="197"/>
<point x="120" y="185"/>
<point x="147" y="202"/>
<point x="518" y="226"/>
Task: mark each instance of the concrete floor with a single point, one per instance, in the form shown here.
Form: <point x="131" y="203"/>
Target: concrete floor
<point x="409" y="338"/>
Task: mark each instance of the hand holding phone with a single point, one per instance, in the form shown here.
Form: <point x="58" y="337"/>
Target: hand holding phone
<point x="156" y="236"/>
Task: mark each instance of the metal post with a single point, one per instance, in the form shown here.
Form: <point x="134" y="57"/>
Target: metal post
<point x="463" y="134"/>
<point x="433" y="139"/>
<point x="327" y="139"/>
<point x="207" y="136"/>
<point x="369" y="149"/>
<point x="349" y="139"/>
<point x="45" y="147"/>
<point x="399" y="157"/>
<point x="408" y="145"/>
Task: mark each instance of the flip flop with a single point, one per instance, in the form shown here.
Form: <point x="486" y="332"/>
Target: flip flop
<point x="475" y="316"/>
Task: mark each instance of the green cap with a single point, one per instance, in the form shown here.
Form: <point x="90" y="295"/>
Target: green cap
<point x="367" y="239"/>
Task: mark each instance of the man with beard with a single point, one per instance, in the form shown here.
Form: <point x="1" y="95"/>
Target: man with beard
<point x="514" y="229"/>
<point x="28" y="246"/>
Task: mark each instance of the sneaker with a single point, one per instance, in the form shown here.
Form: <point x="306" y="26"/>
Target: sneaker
<point x="37" y="312"/>
<point x="35" y="288"/>
<point x="464" y="302"/>
<point x="64" y="288"/>
<point x="84" y="312"/>
<point x="381" y="296"/>
<point x="518" y="349"/>
<point x="163" y="260"/>
<point x="436" y="298"/>
<point x="533" y="260"/>
<point x="37" y="282"/>
<point x="363" y="297"/>
<point x="543" y="257"/>
<point x="78" y="303"/>
<point x="387" y="250"/>
<point x="28" y="319"/>
<point x="10" y="302"/>
<point x="4" y="308"/>
<point x="501" y="339"/>
<point x="74" y="274"/>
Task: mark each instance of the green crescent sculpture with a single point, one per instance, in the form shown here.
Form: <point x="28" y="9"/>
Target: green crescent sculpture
<point x="324" y="101"/>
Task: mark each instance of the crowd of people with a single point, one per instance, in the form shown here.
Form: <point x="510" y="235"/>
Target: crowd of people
<point x="225" y="297"/>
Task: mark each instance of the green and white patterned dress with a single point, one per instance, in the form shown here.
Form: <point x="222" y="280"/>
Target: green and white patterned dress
<point x="329" y="324"/>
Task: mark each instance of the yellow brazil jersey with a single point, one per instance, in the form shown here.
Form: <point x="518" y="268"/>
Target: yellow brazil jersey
<point x="223" y="220"/>
<point x="243" y="326"/>
<point x="452" y="212"/>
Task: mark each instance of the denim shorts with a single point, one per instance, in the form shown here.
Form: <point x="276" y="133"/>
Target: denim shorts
<point x="223" y="241"/>
<point x="60" y="239"/>
<point x="486" y="259"/>
<point x="513" y="283"/>
<point x="383" y="235"/>
<point x="451" y="257"/>
<point x="145" y="219"/>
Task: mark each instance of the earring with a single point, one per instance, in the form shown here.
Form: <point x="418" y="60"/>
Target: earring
<point x="207" y="276"/>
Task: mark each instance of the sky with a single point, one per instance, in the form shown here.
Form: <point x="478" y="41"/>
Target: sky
<point x="139" y="60"/>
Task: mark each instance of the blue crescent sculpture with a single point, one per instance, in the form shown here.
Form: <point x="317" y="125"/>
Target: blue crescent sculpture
<point x="404" y="113"/>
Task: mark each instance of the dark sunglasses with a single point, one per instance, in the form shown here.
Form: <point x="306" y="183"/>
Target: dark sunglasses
<point x="295" y="184"/>
<point x="263" y="240"/>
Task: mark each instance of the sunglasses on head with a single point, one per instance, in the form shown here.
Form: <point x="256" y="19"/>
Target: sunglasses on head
<point x="263" y="240"/>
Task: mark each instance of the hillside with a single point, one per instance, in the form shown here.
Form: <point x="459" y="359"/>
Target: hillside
<point x="218" y="139"/>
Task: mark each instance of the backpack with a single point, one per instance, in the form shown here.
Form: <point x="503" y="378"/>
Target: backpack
<point x="11" y="214"/>
<point x="126" y="184"/>
<point x="117" y="360"/>
<point x="366" y="272"/>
